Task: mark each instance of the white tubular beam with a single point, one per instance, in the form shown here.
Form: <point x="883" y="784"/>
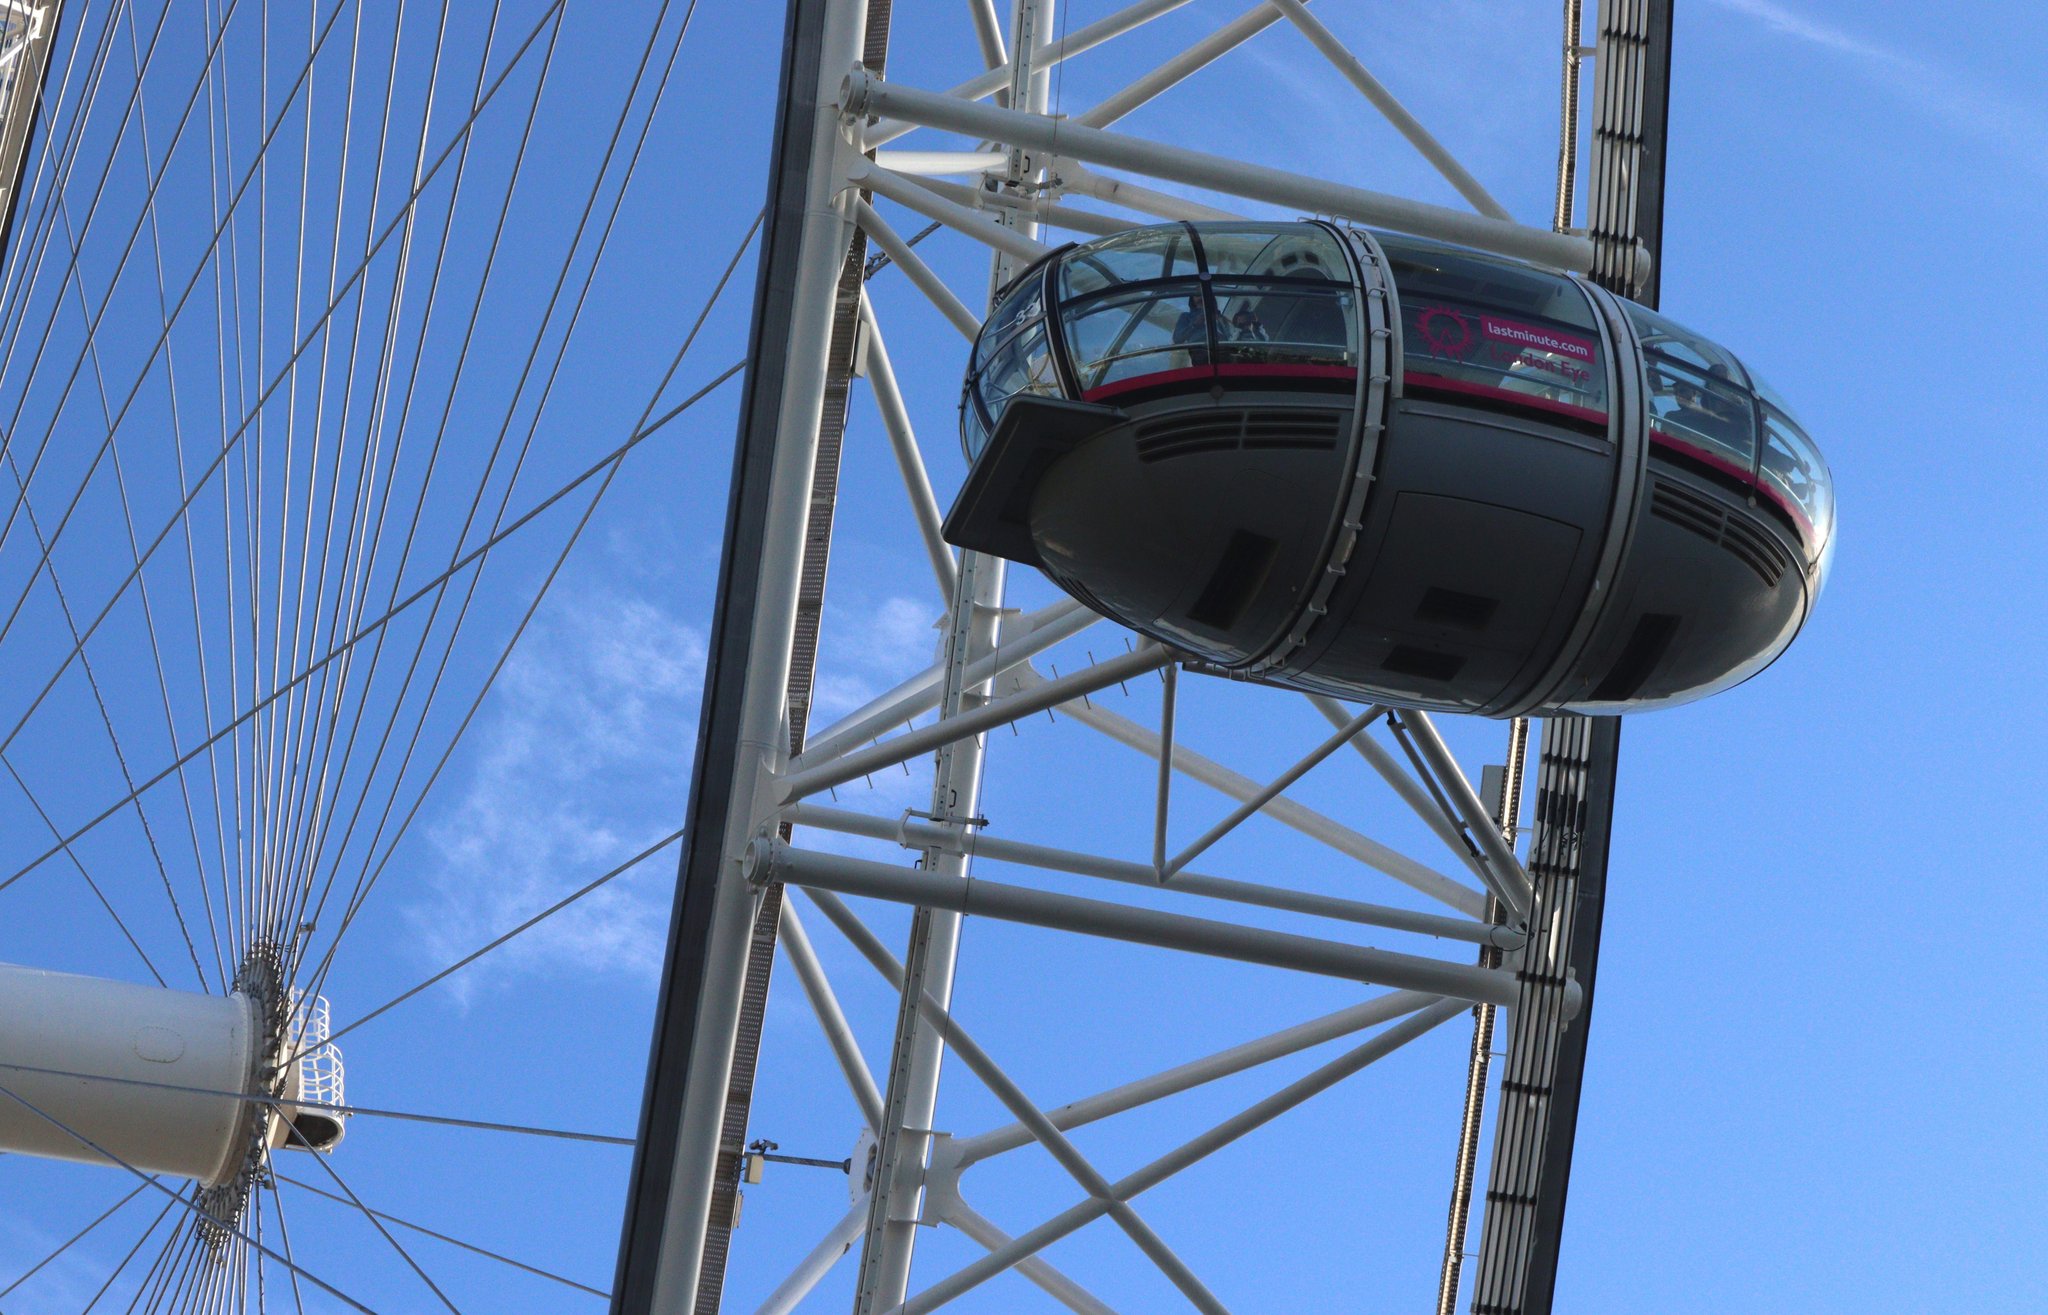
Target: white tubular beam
<point x="917" y="834"/>
<point x="1162" y="791"/>
<point x="1074" y="43"/>
<point x="1224" y="1063"/>
<point x="860" y="1080"/>
<point x="1404" y="784"/>
<point x="1284" y="810"/>
<point x="1173" y="1162"/>
<point x="1037" y="208"/>
<point x="817" y="1264"/>
<point x="959" y="218"/>
<point x="808" y="780"/>
<point x="1345" y="734"/>
<point x="1077" y="1166"/>
<point x="988" y="29"/>
<point x="940" y="162"/>
<point x="1053" y="1283"/>
<point x="1182" y="66"/>
<point x="1511" y="881"/>
<point x="921" y="275"/>
<point x="1144" y="200"/>
<point x="772" y="860"/>
<point x="1013" y="1098"/>
<point x="909" y="459"/>
<point x="1023" y="638"/>
<point x="866" y="94"/>
<point x="1397" y="114"/>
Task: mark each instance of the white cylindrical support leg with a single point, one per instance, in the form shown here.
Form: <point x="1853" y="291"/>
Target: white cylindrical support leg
<point x="58" y="1023"/>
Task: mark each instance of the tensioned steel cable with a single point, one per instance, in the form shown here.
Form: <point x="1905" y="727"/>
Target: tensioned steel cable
<point x="451" y="1241"/>
<point x="603" y="465"/>
<point x="299" y="872"/>
<point x="231" y="439"/>
<point x="369" y="879"/>
<point x="74" y="1239"/>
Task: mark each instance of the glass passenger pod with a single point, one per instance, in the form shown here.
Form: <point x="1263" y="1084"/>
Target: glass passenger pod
<point x="1167" y="309"/>
<point x="1708" y="412"/>
<point x="1486" y="331"/>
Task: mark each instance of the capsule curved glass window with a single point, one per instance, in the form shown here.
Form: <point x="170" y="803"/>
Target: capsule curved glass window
<point x="1235" y="300"/>
<point x="1793" y="473"/>
<point x="1485" y="329"/>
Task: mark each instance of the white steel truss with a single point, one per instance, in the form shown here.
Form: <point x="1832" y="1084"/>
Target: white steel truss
<point x="764" y="815"/>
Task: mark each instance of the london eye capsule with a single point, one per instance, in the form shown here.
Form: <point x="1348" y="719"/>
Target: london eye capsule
<point x="1375" y="466"/>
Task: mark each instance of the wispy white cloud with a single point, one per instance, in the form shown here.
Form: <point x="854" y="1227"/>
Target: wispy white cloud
<point x="1787" y="22"/>
<point x="585" y="760"/>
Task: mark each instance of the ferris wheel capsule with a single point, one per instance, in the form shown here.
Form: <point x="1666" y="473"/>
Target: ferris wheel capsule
<point x="1377" y="466"/>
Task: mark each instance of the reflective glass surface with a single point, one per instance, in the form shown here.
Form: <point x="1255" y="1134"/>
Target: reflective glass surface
<point x="1792" y="464"/>
<point x="1482" y="326"/>
<point x="1675" y="342"/>
<point x="1134" y="257"/>
<point x="1706" y="413"/>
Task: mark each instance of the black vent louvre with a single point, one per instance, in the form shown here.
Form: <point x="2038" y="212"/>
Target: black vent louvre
<point x="1081" y="592"/>
<point x="1755" y="547"/>
<point x="1752" y="546"/>
<point x="1187" y="432"/>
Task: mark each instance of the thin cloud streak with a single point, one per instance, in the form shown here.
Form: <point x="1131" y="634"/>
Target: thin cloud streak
<point x="1949" y="97"/>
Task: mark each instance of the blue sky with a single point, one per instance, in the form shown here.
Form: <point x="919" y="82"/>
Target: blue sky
<point x="1812" y="1062"/>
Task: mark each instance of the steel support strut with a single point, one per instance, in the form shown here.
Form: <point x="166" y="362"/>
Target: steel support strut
<point x="972" y="629"/>
<point x="744" y="724"/>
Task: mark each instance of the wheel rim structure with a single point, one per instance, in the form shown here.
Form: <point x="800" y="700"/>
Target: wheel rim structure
<point x="312" y="388"/>
<point x="852" y="180"/>
<point x="311" y="394"/>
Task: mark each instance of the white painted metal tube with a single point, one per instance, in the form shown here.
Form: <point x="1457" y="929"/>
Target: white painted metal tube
<point x="816" y="1263"/>
<point x="1306" y="820"/>
<point x="921" y="163"/>
<point x="1273" y="789"/>
<point x="1023" y="638"/>
<point x="139" y="1033"/>
<point x="772" y="860"/>
<point x="1038" y="208"/>
<point x="918" y="834"/>
<point x="1182" y="66"/>
<point x="860" y="1080"/>
<point x="924" y="504"/>
<point x="1159" y="1170"/>
<point x="1054" y="1284"/>
<point x="866" y="94"/>
<point x="1074" y="43"/>
<point x="1396" y="113"/>
<point x="1185" y="1077"/>
<point x="1144" y="200"/>
<point x="922" y="276"/>
<point x="957" y="217"/>
<point x="1512" y="883"/>
<point x="1404" y="784"/>
<point x="1013" y="1098"/>
<point x="914" y="744"/>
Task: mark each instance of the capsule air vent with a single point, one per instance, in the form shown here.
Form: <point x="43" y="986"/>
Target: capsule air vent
<point x="1185" y="433"/>
<point x="1751" y="546"/>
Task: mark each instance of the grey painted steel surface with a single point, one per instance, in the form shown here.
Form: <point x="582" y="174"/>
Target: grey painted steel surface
<point x="804" y="246"/>
<point x="1522" y="1234"/>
